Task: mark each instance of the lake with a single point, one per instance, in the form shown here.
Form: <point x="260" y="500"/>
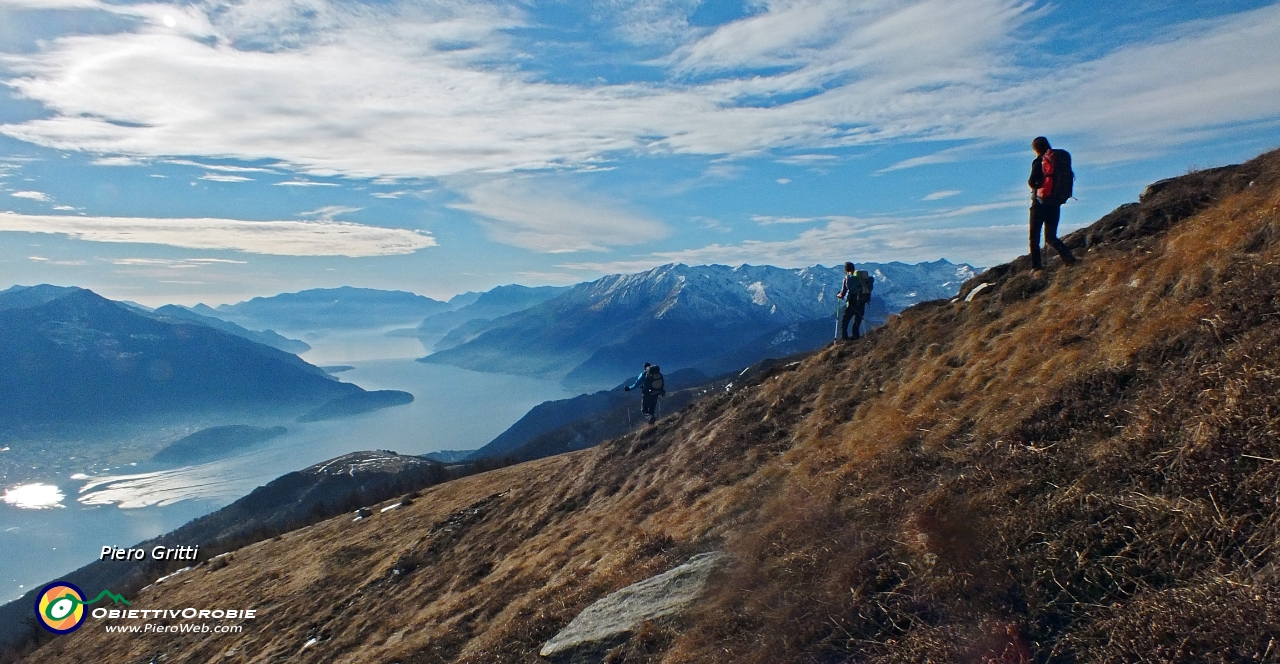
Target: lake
<point x="452" y="409"/>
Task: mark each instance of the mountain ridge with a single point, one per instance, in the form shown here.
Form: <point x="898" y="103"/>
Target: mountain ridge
<point x="675" y="315"/>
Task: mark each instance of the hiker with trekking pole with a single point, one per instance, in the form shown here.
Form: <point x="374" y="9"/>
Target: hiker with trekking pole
<point x="1051" y="183"/>
<point x="855" y="294"/>
<point x="651" y="386"/>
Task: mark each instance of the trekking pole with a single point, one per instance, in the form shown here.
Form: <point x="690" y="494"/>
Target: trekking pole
<point x="837" y="337"/>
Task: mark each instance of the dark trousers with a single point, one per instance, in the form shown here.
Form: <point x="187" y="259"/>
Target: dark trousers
<point x="650" y="401"/>
<point x="852" y="311"/>
<point x="1047" y="216"/>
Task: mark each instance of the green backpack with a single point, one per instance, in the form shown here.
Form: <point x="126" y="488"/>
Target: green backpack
<point x="867" y="282"/>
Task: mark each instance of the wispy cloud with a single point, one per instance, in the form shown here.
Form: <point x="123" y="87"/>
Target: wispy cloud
<point x="219" y="167"/>
<point x="281" y="238"/>
<point x="766" y="220"/>
<point x="328" y="212"/>
<point x="50" y="261"/>
<point x="809" y="160"/>
<point x="939" y="195"/>
<point x="439" y="95"/>
<point x="534" y="214"/>
<point x="118" y="161"/>
<point x="304" y="183"/>
<point x="175" y="263"/>
<point x="33" y="195"/>
<point x="222" y="177"/>
<point x="841" y="238"/>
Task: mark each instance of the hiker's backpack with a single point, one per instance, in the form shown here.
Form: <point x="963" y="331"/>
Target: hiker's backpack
<point x="654" y="380"/>
<point x="1059" y="179"/>
<point x="866" y="282"/>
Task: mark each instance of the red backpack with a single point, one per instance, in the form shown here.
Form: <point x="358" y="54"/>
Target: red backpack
<point x="1058" y="177"/>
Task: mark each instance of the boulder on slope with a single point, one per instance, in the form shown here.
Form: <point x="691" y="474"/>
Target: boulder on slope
<point x="612" y="620"/>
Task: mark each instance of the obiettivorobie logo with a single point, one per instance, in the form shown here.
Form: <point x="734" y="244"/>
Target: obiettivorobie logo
<point x="60" y="606"/>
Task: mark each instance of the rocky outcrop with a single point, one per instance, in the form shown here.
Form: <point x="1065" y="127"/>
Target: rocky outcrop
<point x="613" y="619"/>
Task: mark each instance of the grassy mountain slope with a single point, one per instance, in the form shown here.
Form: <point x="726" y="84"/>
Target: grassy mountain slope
<point x="1079" y="466"/>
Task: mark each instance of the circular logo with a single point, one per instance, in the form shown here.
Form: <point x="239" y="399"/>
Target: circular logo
<point x="60" y="607"/>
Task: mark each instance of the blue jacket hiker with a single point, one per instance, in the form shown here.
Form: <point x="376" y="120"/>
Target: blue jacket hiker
<point x="651" y="386"/>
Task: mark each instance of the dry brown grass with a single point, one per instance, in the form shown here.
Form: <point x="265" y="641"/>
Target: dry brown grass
<point x="1080" y="467"/>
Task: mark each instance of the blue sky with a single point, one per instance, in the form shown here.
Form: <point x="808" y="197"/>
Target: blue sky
<point x="216" y="150"/>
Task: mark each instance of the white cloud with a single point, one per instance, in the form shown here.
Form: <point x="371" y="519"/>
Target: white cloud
<point x="939" y="195"/>
<point x="222" y="177"/>
<point x="175" y="263"/>
<point x="281" y="238"/>
<point x="42" y="259"/>
<point x="33" y="195"/>
<point x="219" y="167"/>
<point x="810" y="160"/>
<point x="841" y="238"/>
<point x="328" y="212"/>
<point x="784" y="180"/>
<point x="765" y="220"/>
<point x="304" y="183"/>
<point x="403" y="90"/>
<point x="50" y="4"/>
<point x="530" y="213"/>
<point x="118" y="161"/>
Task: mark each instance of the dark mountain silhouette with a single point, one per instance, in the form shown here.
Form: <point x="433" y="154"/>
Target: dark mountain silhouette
<point x="1076" y="465"/>
<point x="174" y="313"/>
<point x="71" y="356"/>
<point x="331" y="308"/>
<point x="676" y="315"/>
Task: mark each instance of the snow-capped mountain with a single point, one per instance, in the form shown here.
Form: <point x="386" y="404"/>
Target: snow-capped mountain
<point x="677" y="316"/>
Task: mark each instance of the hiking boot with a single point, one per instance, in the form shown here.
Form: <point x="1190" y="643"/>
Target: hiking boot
<point x="652" y="419"/>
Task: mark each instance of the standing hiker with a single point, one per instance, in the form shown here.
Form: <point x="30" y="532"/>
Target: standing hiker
<point x="1051" y="182"/>
<point x="651" y="386"/>
<point x="856" y="293"/>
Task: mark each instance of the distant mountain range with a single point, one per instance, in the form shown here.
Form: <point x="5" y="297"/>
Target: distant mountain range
<point x="680" y="316"/>
<point x="447" y="329"/>
<point x="72" y="356"/>
<point x="330" y="308"/>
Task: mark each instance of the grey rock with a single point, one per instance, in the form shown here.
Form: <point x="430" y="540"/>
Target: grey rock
<point x="612" y="620"/>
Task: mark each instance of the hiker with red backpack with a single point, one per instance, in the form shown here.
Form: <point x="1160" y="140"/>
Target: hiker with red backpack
<point x="856" y="293"/>
<point x="652" y="385"/>
<point x="1051" y="182"/>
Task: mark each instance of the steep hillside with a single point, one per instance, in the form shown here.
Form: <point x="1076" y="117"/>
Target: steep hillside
<point x="1075" y="466"/>
<point x="676" y="316"/>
